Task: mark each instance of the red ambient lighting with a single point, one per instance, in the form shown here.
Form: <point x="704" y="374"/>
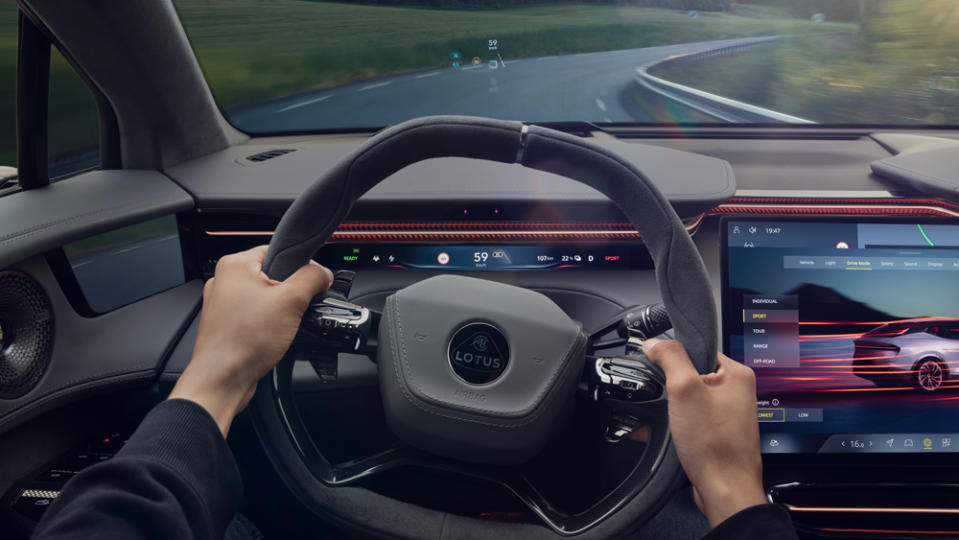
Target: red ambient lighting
<point x="836" y="206"/>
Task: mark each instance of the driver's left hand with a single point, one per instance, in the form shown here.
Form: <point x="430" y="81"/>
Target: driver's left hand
<point x="247" y="324"/>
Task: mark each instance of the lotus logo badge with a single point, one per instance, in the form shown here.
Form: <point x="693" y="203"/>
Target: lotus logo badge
<point x="478" y="353"/>
<point x="479" y="343"/>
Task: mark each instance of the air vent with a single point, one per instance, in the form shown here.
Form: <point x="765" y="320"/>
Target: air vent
<point x="270" y="154"/>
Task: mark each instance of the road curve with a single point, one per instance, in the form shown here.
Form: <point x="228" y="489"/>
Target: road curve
<point x="551" y="88"/>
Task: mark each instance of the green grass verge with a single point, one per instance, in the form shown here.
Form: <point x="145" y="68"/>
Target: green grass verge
<point x="824" y="80"/>
<point x="126" y="235"/>
<point x="252" y="50"/>
<point x="901" y="69"/>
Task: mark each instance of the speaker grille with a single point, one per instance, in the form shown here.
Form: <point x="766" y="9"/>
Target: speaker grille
<point x="26" y="325"/>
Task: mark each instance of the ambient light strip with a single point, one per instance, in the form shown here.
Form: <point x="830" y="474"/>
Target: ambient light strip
<point x="824" y="209"/>
<point x="886" y="531"/>
<point x="871" y="510"/>
<point x="836" y="206"/>
<point x="477" y="231"/>
<point x="439" y="235"/>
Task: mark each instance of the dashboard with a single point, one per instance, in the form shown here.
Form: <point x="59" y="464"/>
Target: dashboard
<point x="841" y="299"/>
<point x="849" y="322"/>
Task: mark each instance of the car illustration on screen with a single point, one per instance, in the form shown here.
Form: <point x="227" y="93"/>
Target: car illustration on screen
<point x="913" y="354"/>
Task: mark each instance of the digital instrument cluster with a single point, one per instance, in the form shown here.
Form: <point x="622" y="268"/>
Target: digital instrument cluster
<point x="485" y="257"/>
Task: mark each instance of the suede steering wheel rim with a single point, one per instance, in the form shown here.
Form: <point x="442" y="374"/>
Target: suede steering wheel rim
<point x="314" y="215"/>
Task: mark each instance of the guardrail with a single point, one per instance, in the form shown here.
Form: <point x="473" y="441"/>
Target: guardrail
<point x="725" y="109"/>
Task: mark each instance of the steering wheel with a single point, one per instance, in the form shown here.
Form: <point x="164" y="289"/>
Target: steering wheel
<point x="475" y="375"/>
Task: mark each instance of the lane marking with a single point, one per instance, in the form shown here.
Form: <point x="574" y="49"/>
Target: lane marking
<point x="377" y="85"/>
<point x="477" y="66"/>
<point x="607" y="119"/>
<point x="601" y="104"/>
<point x="428" y="74"/>
<point x="304" y="103"/>
<point x="549" y="58"/>
<point x="161" y="239"/>
<point x="78" y="265"/>
<point x="124" y="250"/>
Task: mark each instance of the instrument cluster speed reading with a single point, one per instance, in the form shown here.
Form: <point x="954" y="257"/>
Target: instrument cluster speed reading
<point x="467" y="257"/>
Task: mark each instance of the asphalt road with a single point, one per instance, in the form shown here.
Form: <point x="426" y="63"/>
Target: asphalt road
<point x="587" y="86"/>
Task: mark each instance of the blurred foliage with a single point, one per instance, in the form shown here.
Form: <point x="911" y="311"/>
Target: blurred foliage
<point x="902" y="68"/>
<point x="834" y="10"/>
<point x="8" y="83"/>
<point x="701" y="5"/>
<point x="73" y="131"/>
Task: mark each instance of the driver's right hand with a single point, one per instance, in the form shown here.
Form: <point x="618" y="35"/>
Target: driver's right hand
<point x="712" y="418"/>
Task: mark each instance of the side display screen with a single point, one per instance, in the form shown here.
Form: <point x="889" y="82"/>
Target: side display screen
<point x="852" y="329"/>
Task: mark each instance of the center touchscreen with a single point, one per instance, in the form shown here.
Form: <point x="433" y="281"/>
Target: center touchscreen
<point x="852" y="331"/>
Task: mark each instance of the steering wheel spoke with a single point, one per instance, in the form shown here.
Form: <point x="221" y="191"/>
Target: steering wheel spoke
<point x="350" y="472"/>
<point x="648" y="438"/>
<point x="635" y="454"/>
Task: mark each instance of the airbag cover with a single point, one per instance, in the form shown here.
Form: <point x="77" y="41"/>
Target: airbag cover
<point x="476" y="370"/>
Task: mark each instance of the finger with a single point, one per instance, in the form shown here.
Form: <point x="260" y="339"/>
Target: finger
<point x="698" y="499"/>
<point x="310" y="280"/>
<point x="208" y="288"/>
<point x="681" y="376"/>
<point x="739" y="371"/>
<point x="257" y="253"/>
<point x="253" y="258"/>
<point x="243" y="260"/>
<point x="717" y="377"/>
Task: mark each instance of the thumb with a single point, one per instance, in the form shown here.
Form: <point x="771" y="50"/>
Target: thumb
<point x="310" y="280"/>
<point x="671" y="357"/>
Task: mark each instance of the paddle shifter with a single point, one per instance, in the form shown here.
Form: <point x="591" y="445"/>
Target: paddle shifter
<point x="631" y="377"/>
<point x="332" y="325"/>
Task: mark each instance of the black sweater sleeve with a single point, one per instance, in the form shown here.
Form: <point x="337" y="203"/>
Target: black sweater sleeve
<point x="174" y="478"/>
<point x="760" y="522"/>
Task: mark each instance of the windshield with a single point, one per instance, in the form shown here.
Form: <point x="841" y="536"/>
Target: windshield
<point x="304" y="65"/>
